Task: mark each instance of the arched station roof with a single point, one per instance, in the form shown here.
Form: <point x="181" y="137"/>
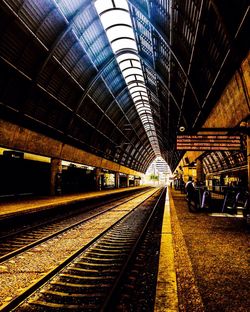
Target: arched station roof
<point x="68" y="70"/>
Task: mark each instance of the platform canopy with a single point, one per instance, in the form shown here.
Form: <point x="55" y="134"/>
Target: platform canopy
<point x="118" y="78"/>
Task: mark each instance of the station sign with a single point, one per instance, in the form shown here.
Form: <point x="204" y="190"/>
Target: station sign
<point x="209" y="142"/>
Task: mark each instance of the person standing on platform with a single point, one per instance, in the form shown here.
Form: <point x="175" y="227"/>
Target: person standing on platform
<point x="182" y="185"/>
<point x="191" y="195"/>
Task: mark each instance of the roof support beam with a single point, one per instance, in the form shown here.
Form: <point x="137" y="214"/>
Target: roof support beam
<point x="244" y="18"/>
<point x="165" y="40"/>
<point x="99" y="74"/>
<point x="91" y="83"/>
<point x="191" y="61"/>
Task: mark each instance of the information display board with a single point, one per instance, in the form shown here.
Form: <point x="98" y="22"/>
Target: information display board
<point x="208" y="142"/>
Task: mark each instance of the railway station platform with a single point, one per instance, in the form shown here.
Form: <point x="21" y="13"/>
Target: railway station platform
<point x="17" y="206"/>
<point x="204" y="260"/>
<point x="100" y="94"/>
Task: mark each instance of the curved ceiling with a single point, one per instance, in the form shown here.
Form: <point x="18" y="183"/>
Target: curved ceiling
<point x="66" y="73"/>
<point x="223" y="161"/>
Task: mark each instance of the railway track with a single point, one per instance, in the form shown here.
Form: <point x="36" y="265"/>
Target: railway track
<point x="22" y="240"/>
<point x="88" y="279"/>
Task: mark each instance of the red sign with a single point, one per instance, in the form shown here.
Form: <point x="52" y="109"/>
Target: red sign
<point x="208" y="142"/>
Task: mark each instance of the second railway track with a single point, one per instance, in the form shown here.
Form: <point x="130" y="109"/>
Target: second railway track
<point x="16" y="243"/>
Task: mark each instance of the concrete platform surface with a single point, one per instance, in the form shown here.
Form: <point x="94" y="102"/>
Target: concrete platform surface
<point x="23" y="205"/>
<point x="211" y="256"/>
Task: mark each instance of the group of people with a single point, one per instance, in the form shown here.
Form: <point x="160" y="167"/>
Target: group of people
<point x="191" y="191"/>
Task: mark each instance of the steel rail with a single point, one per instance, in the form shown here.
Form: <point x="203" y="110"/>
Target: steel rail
<point x="111" y="297"/>
<point x="17" y="301"/>
<point x="40" y="241"/>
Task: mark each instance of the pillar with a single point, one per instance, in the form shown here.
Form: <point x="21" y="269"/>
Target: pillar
<point x="117" y="179"/>
<point x="55" y="176"/>
<point x="98" y="179"/>
<point x="199" y="171"/>
<point x="127" y="180"/>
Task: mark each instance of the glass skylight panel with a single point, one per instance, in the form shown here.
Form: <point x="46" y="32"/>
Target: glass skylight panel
<point x="107" y="4"/>
<point x="103" y="5"/>
<point x="130" y="62"/>
<point x="144" y="110"/>
<point x="141" y="100"/>
<point x="135" y="72"/>
<point x="135" y="63"/>
<point x="133" y="78"/>
<point x="115" y="17"/>
<point x="136" y="93"/>
<point x="137" y="84"/>
<point x="139" y="97"/>
<point x="145" y="100"/>
<point x="139" y="77"/>
<point x="125" y="64"/>
<point x="131" y="71"/>
<point x="139" y="106"/>
<point x="137" y="88"/>
<point x="123" y="43"/>
<point x="119" y="31"/>
<point x="116" y="20"/>
<point x="127" y="56"/>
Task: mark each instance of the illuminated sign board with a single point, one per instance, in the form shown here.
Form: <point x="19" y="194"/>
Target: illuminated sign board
<point x="208" y="142"/>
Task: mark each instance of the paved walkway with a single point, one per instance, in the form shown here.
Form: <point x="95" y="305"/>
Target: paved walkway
<point x="211" y="256"/>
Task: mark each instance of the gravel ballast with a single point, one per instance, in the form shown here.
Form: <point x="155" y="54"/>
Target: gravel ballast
<point x="20" y="272"/>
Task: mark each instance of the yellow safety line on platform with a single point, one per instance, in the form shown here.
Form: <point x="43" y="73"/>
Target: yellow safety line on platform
<point x="166" y="290"/>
